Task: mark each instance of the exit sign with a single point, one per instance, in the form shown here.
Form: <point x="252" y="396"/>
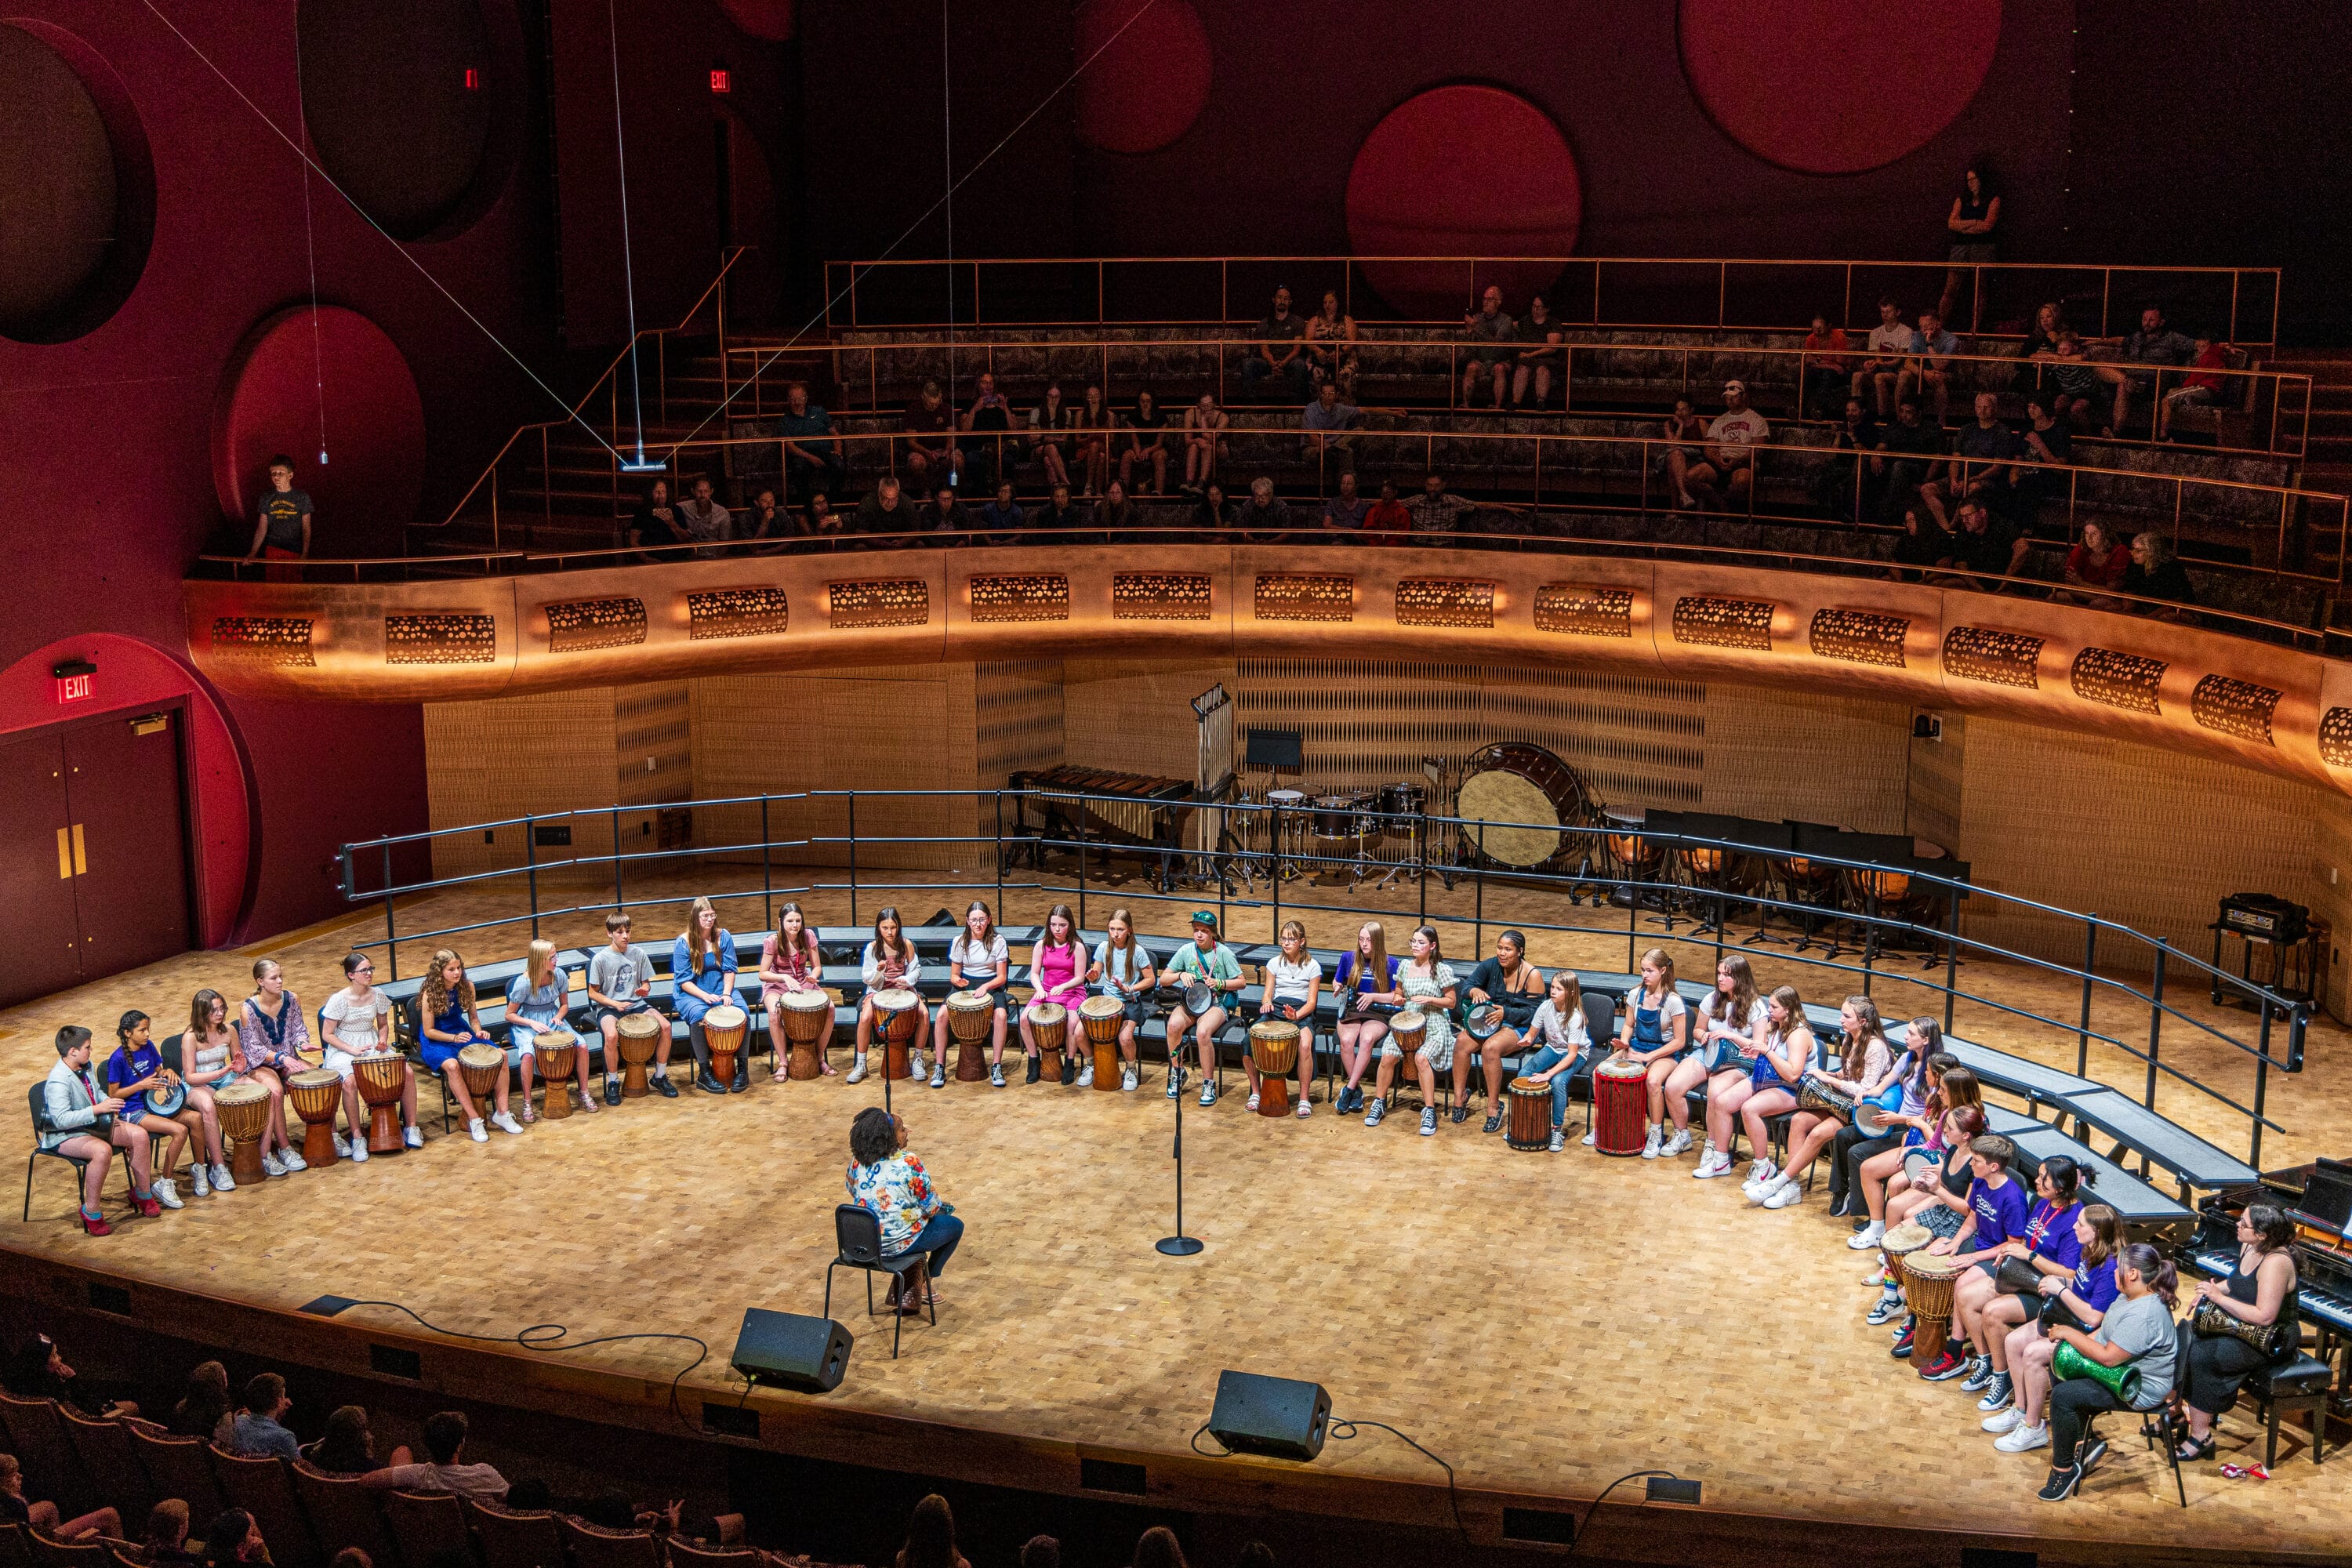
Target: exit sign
<point x="77" y="681"/>
<point x="720" y="79"/>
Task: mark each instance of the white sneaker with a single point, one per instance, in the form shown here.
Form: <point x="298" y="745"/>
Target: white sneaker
<point x="1790" y="1193"/>
<point x="1086" y="1075"/>
<point x="1713" y="1166"/>
<point x="221" y="1181"/>
<point x="196" y="1173"/>
<point x="1559" y="1140"/>
<point x="1429" y="1122"/>
<point x="1868" y="1237"/>
<point x="1208" y="1092"/>
<point x="359" y="1148"/>
<point x="1760" y="1181"/>
<point x="474" y="1130"/>
<point x="1175" y="1080"/>
<point x="939" y="1075"/>
<point x="166" y="1194"/>
<point x="293" y="1162"/>
<point x="1127" y="1079"/>
<point x="2004" y="1421"/>
<point x="857" y="1070"/>
<point x="1654" y="1142"/>
<point x="1253" y="1102"/>
<point x="915" y="1063"/>
<point x="2023" y="1439"/>
<point x="504" y="1122"/>
<point x="271" y="1165"/>
<point x="1592" y="1134"/>
<point x="1677" y="1144"/>
<point x="996" y="1078"/>
<point x="412" y="1137"/>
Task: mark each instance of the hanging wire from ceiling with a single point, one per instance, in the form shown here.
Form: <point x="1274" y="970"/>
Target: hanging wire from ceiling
<point x="311" y="248"/>
<point x="642" y="464"/>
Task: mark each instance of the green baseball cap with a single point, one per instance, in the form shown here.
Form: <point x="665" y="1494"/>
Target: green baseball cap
<point x="1205" y="918"/>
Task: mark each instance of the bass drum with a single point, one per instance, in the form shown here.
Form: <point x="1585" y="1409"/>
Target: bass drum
<point x="1521" y="784"/>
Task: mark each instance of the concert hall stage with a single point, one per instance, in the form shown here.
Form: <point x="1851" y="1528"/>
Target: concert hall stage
<point x="1544" y="1322"/>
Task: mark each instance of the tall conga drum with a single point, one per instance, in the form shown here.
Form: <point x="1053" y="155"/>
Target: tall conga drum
<point x="1049" y="1024"/>
<point x="1929" y="1280"/>
<point x="897" y="1019"/>
<point x="484" y="1068"/>
<point x="1101" y="1017"/>
<point x="639" y="1030"/>
<point x="1621" y="1103"/>
<point x="383" y="1078"/>
<point x="244" y="1116"/>
<point x="557" y="1052"/>
<point x="1529" y="1123"/>
<point x="722" y="1030"/>
<point x="808" y="1027"/>
<point x="970" y="1015"/>
<point x="314" y="1093"/>
<point x="1274" y="1050"/>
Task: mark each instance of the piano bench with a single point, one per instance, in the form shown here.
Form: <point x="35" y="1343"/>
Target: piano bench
<point x="2300" y="1385"/>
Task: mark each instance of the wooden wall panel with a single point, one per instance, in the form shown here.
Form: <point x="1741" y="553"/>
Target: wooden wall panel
<point x="504" y="757"/>
<point x="1018" y="703"/>
<point x="1136" y="715"/>
<point x="1817" y="757"/>
<point x="2331" y="824"/>
<point x="1939" y="771"/>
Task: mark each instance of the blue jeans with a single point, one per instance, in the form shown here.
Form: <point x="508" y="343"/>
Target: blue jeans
<point x="1545" y="1060"/>
<point x="938" y="1237"/>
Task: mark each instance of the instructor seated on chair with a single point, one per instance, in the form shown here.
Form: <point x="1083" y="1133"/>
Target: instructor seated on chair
<point x="1213" y="963"/>
<point x="894" y="1188"/>
<point x="1509" y="980"/>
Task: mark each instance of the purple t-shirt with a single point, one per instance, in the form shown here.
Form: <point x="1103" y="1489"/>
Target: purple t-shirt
<point x="2001" y="1213"/>
<point x="1347" y="980"/>
<point x="2051" y="1234"/>
<point x="2096" y="1284"/>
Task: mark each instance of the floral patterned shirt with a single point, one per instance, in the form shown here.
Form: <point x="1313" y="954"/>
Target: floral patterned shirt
<point x="897" y="1192"/>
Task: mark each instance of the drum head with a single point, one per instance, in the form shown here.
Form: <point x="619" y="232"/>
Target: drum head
<point x="805" y="1001"/>
<point x="724" y="1017"/>
<point x="894" y="1000"/>
<point x="481" y="1056"/>
<point x="1199" y="998"/>
<point x="638" y="1023"/>
<point x="970" y="1001"/>
<point x="1047" y="1012"/>
<point x="1524" y="787"/>
<point x="555" y="1039"/>
<point x="1273" y="1029"/>
<point x="1286" y="796"/>
<point x="1100" y="1007"/>
<point x="1409" y="1021"/>
<point x="314" y="1078"/>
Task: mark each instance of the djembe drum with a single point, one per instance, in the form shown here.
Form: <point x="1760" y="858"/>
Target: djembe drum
<point x="638" y="1030"/>
<point x="556" y="1051"/>
<point x="1899" y="1244"/>
<point x="1408" y="1027"/>
<point x="969" y="1015"/>
<point x="723" y="1032"/>
<point x="1621" y="1100"/>
<point x="382" y="1078"/>
<point x="483" y="1068"/>
<point x="898" y="1019"/>
<point x="1049" y="1025"/>
<point x="1927" y="1284"/>
<point x="808" y="1029"/>
<point x="314" y="1094"/>
<point x="1529" y="1124"/>
<point x="244" y="1116"/>
<point x="1101" y="1017"/>
<point x="1274" y="1048"/>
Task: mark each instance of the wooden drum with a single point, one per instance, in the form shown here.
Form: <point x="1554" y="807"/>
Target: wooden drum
<point x="481" y="1066"/>
<point x="638" y="1030"/>
<point x="382" y="1078"/>
<point x="1529" y="1123"/>
<point x="1929" y="1280"/>
<point x="1899" y="1244"/>
<point x="1274" y="1050"/>
<point x="244" y="1116"/>
<point x="1621" y="1099"/>
<point x="969" y="1015"/>
<point x="808" y="1029"/>
<point x="314" y="1093"/>
<point x="1102" y="1016"/>
<point x="898" y="1017"/>
<point x="1049" y="1023"/>
<point x="556" y="1051"/>
<point x="722" y="1031"/>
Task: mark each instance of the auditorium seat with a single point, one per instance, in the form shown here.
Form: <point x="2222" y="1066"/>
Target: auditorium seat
<point x="425" y="1524"/>
<point x="683" y="1555"/>
<point x="180" y="1468"/>
<point x="16" y="1546"/>
<point x="514" y="1538"/>
<point x="343" y="1512"/>
<point x="50" y="1552"/>
<point x="259" y="1485"/>
<point x="103" y="1445"/>
<point x="37" y="1436"/>
<point x="594" y="1547"/>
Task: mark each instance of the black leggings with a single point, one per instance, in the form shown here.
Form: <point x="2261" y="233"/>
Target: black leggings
<point x="2217" y="1368"/>
<point x="1848" y="1150"/>
<point x="2073" y="1402"/>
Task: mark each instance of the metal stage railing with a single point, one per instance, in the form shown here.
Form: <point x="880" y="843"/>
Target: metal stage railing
<point x="1253" y="843"/>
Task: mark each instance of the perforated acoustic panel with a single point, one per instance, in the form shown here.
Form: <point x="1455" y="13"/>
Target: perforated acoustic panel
<point x="1858" y="637"/>
<point x="1160" y="596"/>
<point x="451" y="638"/>
<point x="577" y="626"/>
<point x="2001" y="658"/>
<point x="1305" y="597"/>
<point x="863" y="603"/>
<point x="1026" y="596"/>
<point x="2336" y="737"/>
<point x="1724" y="623"/>
<point x="721" y="613"/>
<point x="2239" y="708"/>
<point x="1816" y="757"/>
<point x="1444" y="602"/>
<point x="281" y="640"/>
<point x="2124" y="681"/>
<point x="1580" y="611"/>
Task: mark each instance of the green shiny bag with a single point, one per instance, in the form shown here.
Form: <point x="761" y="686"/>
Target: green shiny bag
<point x="2122" y="1382"/>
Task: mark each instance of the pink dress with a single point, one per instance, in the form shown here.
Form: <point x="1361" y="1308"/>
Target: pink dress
<point x="1058" y="975"/>
<point x="802" y="964"/>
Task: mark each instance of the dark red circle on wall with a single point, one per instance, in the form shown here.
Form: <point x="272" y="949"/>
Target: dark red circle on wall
<point x="768" y="19"/>
<point x="1462" y="171"/>
<point x="77" y="185"/>
<point x="1146" y="89"/>
<point x="399" y="101"/>
<point x="1827" y="87"/>
<point x="268" y="403"/>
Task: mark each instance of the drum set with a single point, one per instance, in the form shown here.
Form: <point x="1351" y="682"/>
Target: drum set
<point x="1290" y="834"/>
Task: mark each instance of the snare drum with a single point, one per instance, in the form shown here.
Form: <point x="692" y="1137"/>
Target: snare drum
<point x="1927" y="1284"/>
<point x="1621" y="1101"/>
<point x="971" y="1017"/>
<point x="481" y="1066"/>
<point x="1274" y="1051"/>
<point x="808" y="1027"/>
<point x="1529" y="1125"/>
<point x="314" y="1093"/>
<point x="244" y="1117"/>
<point x="1102" y="1017"/>
<point x="639" y="1031"/>
<point x="557" y="1052"/>
<point x="1049" y="1025"/>
<point x="382" y="1078"/>
<point x="722" y="1031"/>
<point x="898" y="1018"/>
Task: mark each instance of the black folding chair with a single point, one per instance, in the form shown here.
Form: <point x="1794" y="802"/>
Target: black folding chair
<point x="858" y="1232"/>
<point x="40" y="1108"/>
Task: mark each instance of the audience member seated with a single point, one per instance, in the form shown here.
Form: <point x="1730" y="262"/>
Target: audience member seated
<point x="1912" y="444"/>
<point x="945" y="514"/>
<point x="929" y="440"/>
<point x="1159" y="1548"/>
<point x="2155" y="574"/>
<point x="258" y="1430"/>
<point x="1726" y="473"/>
<point x="1213" y="510"/>
<point x="1331" y="345"/>
<point x="1828" y="372"/>
<point x="704" y="520"/>
<point x="655" y="520"/>
<point x="1326" y="421"/>
<point x="1389" y="519"/>
<point x="1345" y="509"/>
<point x="206" y="1410"/>
<point x="1041" y="1551"/>
<point x="1923" y="545"/>
<point x="1684" y="431"/>
<point x="1004" y="515"/>
<point x="2074" y="381"/>
<point x="1883" y="370"/>
<point x="2096" y="560"/>
<point x="1929" y="365"/>
<point x="1842" y="488"/>
<point x="1541" y="357"/>
<point x="818" y="519"/>
<point x="1489" y="324"/>
<point x="2041" y="339"/>
<point x="1434" y="511"/>
<point x="932" y="1537"/>
<point x="165" y="1543"/>
<point x="1264" y="517"/>
<point x="1094" y="425"/>
<point x="885" y="512"/>
<point x="1985" y="543"/>
<point x="1278" y="350"/>
<point x="348" y="1447"/>
<point x="43" y="1516"/>
<point x="1205" y="447"/>
<point x="2047" y="442"/>
<point x="1116" y="514"/>
<point x="233" y="1539"/>
<point x="810" y="455"/>
<point x="2154" y="345"/>
<point x="1060" y="512"/>
<point x="2199" y="389"/>
<point x="1978" y="455"/>
<point x="1052" y="423"/>
<point x="988" y="421"/>
<point x="444" y="1468"/>
<point x="35" y="1371"/>
<point x="1142" y="441"/>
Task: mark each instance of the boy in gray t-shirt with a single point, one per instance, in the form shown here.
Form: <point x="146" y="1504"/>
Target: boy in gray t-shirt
<point x="620" y="979"/>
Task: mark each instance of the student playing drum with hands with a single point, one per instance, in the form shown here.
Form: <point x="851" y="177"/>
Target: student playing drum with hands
<point x="978" y="961"/>
<point x="1560" y="1039"/>
<point x="451" y="1022"/>
<point x="790" y="963"/>
<point x="1732" y="1025"/>
<point x="1655" y="1034"/>
<point x="1292" y="982"/>
<point x="355" y="1022"/>
<point x="1365" y="972"/>
<point x="889" y="963"/>
<point x="1057" y="964"/>
<point x="1122" y="972"/>
<point x="1424" y="982"/>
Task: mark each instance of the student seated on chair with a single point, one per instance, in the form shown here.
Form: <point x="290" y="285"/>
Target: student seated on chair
<point x="1656" y="1033"/>
<point x="1869" y="1075"/>
<point x="2136" y="1329"/>
<point x="1294" y="979"/>
<point x="1558" y="1037"/>
<point x="1424" y="982"/>
<point x="355" y="1022"/>
<point x="449" y="1021"/>
<point x="1213" y="963"/>
<point x="1734" y="1021"/>
<point x="1509" y="980"/>
<point x="135" y="1071"/>
<point x="1790" y="1053"/>
<point x="82" y="1123"/>
<point x="1122" y="972"/>
<point x="1997" y="1208"/>
<point x="444" y="1468"/>
<point x="892" y="1185"/>
<point x="620" y="981"/>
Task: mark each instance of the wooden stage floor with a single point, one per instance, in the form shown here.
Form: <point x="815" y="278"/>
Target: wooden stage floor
<point x="1545" y="1322"/>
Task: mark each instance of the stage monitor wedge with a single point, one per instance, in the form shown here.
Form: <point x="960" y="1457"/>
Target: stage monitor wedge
<point x="786" y="1349"/>
<point x="1277" y="1416"/>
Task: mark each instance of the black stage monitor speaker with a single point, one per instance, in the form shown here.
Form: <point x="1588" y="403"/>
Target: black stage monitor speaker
<point x="1277" y="1416"/>
<point x="789" y="1351"/>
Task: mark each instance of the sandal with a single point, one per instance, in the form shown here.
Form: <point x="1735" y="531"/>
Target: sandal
<point x="2191" y="1450"/>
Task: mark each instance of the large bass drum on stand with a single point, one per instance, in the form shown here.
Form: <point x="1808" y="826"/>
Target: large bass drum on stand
<point x="1522" y="785"/>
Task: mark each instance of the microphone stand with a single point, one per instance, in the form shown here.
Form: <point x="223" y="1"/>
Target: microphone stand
<point x="1178" y="1245"/>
